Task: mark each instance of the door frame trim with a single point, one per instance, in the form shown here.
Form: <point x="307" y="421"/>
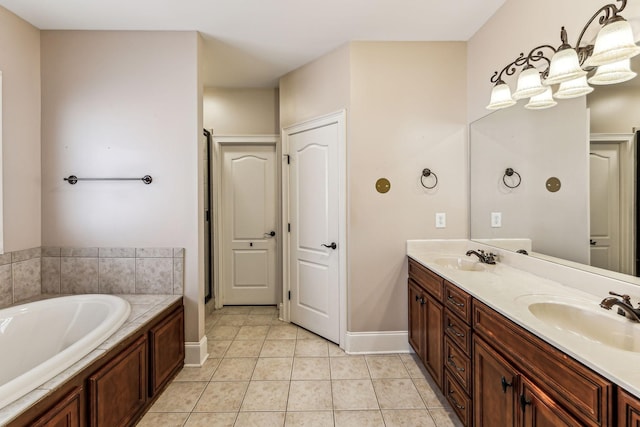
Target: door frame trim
<point x="216" y="196"/>
<point x="339" y="118"/>
<point x="626" y="141"/>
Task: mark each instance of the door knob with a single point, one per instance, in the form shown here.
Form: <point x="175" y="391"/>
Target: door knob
<point x="270" y="234"/>
<point x="332" y="245"/>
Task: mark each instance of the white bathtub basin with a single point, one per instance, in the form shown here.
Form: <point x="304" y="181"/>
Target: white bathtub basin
<point x="39" y="340"/>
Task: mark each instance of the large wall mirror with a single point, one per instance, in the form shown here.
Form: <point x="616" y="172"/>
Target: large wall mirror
<point x="572" y="195"/>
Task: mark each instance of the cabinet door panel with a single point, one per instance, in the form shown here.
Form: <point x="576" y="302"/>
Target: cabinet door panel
<point x="67" y="413"/>
<point x="167" y="349"/>
<point x="433" y="350"/>
<point x="118" y="390"/>
<point x="494" y="388"/>
<point x="539" y="410"/>
<point x="628" y="409"/>
<point x="417" y="329"/>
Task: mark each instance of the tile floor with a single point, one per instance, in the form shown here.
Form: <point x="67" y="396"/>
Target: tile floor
<point x="263" y="372"/>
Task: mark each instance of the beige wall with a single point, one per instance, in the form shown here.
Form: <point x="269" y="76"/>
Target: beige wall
<point x="21" y="186"/>
<point x="318" y="88"/>
<point x="406" y="111"/>
<point x="614" y="109"/>
<point x="519" y="26"/>
<point x="241" y="111"/>
<point x="124" y="104"/>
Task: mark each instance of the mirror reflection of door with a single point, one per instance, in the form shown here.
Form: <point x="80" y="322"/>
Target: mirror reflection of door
<point x="249" y="223"/>
<point x="604" y="184"/>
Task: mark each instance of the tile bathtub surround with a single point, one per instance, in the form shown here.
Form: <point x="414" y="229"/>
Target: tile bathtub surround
<point x="20" y="274"/>
<point x="113" y="270"/>
<point x="263" y="372"/>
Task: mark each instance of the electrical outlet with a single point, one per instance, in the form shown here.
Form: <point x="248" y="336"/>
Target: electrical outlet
<point x="441" y="220"/>
<point x="496" y="219"/>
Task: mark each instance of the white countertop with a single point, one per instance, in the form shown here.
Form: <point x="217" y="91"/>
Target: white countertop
<point x="509" y="290"/>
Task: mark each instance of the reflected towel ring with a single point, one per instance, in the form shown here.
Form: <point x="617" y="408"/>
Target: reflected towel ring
<point x="511" y="172"/>
<point x="426" y="173"/>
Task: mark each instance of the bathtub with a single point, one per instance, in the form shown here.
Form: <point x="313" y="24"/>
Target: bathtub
<point x="41" y="339"/>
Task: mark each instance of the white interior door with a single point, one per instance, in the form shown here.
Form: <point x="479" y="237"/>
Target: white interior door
<point x="248" y="219"/>
<point x="315" y="218"/>
<point x="604" y="181"/>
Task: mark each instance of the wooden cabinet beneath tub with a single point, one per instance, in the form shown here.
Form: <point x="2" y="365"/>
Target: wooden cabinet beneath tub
<point x="119" y="387"/>
<point x="495" y="373"/>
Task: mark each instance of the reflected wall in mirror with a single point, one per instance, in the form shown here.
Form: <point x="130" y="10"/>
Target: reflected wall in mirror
<point x="589" y="145"/>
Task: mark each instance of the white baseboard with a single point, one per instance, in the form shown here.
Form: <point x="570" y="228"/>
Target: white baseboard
<point x="195" y="353"/>
<point x="377" y="342"/>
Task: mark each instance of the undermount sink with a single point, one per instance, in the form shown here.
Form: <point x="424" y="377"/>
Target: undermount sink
<point x="459" y="263"/>
<point x="586" y="319"/>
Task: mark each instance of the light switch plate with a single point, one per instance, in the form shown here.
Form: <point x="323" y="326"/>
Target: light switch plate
<point x="496" y="219"/>
<point x="441" y="220"/>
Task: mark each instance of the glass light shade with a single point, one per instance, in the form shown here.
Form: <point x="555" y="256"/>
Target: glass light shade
<point x="500" y="97"/>
<point x="614" y="42"/>
<point x="529" y="84"/>
<point x="616" y="72"/>
<point x="542" y="101"/>
<point x="573" y="88"/>
<point x="564" y="67"/>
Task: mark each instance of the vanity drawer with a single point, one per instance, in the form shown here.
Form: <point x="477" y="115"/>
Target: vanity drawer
<point x="430" y="281"/>
<point x="458" y="364"/>
<point x="458" y="399"/>
<point x="458" y="301"/>
<point x="586" y="394"/>
<point x="458" y="331"/>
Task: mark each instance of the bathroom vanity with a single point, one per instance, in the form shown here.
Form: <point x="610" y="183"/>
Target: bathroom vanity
<point x="498" y="365"/>
<point x="121" y="383"/>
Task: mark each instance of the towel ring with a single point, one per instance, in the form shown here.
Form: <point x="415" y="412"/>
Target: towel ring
<point x="426" y="173"/>
<point x="511" y="172"/>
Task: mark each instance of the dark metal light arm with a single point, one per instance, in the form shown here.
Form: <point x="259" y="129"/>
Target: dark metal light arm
<point x="610" y="12"/>
<point x="536" y="54"/>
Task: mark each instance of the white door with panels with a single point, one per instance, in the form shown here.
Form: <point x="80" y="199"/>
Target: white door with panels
<point x="314" y="209"/>
<point x="248" y="185"/>
<point x="604" y="180"/>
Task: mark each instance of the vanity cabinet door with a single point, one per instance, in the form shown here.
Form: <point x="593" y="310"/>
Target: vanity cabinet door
<point x="118" y="390"/>
<point x="495" y="387"/>
<point x="67" y="413"/>
<point x="628" y="409"/>
<point x="166" y="348"/>
<point x="417" y="318"/>
<point x="540" y="410"/>
<point x="434" y="359"/>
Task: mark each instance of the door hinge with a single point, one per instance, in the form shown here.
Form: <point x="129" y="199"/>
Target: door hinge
<point x="288" y="159"/>
<point x="289" y="295"/>
<point x="289" y="227"/>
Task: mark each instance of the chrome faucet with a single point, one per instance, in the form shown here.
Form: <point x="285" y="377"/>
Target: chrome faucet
<point x="624" y="306"/>
<point x="485" y="258"/>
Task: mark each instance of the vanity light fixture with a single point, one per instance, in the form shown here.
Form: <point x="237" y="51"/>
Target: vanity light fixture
<point x="546" y="66"/>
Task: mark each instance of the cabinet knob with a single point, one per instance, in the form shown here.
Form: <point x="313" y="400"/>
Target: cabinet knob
<point x="524" y="402"/>
<point x="505" y="384"/>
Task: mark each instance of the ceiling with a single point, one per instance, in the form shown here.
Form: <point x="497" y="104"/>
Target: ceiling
<point x="251" y="43"/>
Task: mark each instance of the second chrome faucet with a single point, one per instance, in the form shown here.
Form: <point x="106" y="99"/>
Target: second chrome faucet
<point x="624" y="306"/>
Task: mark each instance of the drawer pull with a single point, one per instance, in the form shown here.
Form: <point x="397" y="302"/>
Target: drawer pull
<point x="455" y="402"/>
<point x="451" y="328"/>
<point x="505" y="384"/>
<point x="453" y="364"/>
<point x="452" y="300"/>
